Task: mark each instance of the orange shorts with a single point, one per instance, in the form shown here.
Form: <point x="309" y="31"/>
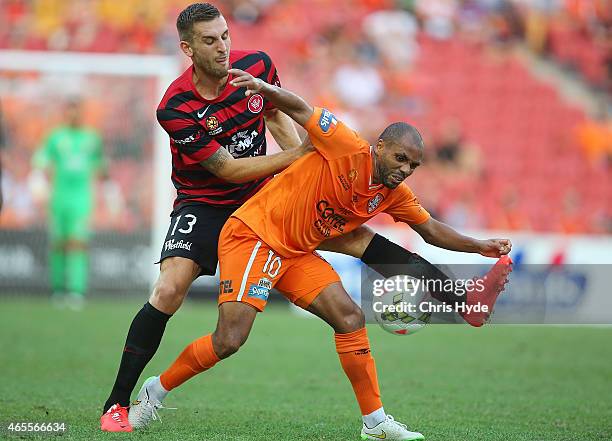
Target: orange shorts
<point x="249" y="269"/>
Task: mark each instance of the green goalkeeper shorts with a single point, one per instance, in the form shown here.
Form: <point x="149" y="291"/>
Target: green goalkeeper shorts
<point x="69" y="221"/>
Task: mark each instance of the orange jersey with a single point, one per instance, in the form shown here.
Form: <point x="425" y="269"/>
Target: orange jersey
<point x="326" y="193"/>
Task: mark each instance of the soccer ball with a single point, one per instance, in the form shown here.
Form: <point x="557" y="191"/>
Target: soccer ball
<point x="400" y="306"/>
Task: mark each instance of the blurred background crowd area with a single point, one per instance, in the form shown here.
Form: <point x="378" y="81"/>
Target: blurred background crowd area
<point x="488" y="82"/>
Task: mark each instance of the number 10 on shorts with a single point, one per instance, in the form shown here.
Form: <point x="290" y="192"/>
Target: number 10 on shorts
<point x="272" y="265"/>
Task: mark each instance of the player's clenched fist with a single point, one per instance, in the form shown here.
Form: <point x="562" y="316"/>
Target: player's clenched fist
<point x="245" y="79"/>
<point x="495" y="247"/>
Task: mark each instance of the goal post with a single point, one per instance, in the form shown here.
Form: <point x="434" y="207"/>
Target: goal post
<point x="154" y="69"/>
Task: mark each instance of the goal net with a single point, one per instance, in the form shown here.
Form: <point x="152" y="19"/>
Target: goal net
<point x="119" y="94"/>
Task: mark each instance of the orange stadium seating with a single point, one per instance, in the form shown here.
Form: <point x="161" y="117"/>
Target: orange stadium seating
<point x="541" y="163"/>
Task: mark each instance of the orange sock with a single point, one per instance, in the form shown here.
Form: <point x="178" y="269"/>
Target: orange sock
<point x="197" y="357"/>
<point x="359" y="366"/>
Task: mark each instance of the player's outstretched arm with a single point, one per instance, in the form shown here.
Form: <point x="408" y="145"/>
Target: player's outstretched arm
<point x="288" y="102"/>
<point x="223" y="165"/>
<point x="441" y="235"/>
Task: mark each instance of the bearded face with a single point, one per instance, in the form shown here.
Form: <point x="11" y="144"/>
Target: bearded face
<point x="209" y="47"/>
<point x="394" y="162"/>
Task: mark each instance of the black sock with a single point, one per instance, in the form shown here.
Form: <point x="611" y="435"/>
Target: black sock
<point x="141" y="344"/>
<point x="389" y="259"/>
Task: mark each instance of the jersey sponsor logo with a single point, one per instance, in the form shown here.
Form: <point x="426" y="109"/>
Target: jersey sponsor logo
<point x="225" y="287"/>
<point x="375" y="202"/>
<point x="189" y="139"/>
<point x="256" y="103"/>
<point x="242" y="142"/>
<point x="173" y="244"/>
<point x="328" y="219"/>
<point x="258" y="292"/>
<point x="327" y="120"/>
<point x="203" y="112"/>
<point x="265" y="283"/>
<point x="212" y="124"/>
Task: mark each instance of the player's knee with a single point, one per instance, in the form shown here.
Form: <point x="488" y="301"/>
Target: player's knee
<point x="361" y="238"/>
<point x="167" y="296"/>
<point x="227" y="343"/>
<point x="353" y="320"/>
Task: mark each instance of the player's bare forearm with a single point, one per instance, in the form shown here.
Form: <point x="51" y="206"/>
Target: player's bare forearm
<point x="288" y="102"/>
<point x="237" y="171"/>
<point x="443" y="236"/>
<point x="249" y="169"/>
<point x="282" y="129"/>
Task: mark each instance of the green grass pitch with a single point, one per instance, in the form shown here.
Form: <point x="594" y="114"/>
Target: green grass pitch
<point x="506" y="383"/>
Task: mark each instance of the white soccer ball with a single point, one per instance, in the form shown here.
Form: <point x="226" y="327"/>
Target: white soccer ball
<point x="400" y="305"/>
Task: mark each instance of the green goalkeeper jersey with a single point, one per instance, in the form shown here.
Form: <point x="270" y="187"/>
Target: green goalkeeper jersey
<point x="75" y="156"/>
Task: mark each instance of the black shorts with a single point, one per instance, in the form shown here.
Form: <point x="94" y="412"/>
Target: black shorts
<point x="194" y="233"/>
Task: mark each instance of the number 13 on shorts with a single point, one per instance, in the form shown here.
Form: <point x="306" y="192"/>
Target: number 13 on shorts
<point x="191" y="220"/>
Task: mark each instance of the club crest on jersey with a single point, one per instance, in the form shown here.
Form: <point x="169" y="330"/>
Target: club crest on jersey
<point x="212" y="124"/>
<point x="256" y="103"/>
<point x="327" y="120"/>
<point x="375" y="202"/>
<point x="352" y="175"/>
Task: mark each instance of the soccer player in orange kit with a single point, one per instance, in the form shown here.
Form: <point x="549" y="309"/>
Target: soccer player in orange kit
<point x="271" y="240"/>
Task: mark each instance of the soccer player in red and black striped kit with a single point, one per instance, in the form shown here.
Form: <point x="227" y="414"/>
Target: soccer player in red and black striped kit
<point x="217" y="139"/>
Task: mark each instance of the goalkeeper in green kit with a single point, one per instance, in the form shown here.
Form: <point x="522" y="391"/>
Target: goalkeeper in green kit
<point x="72" y="154"/>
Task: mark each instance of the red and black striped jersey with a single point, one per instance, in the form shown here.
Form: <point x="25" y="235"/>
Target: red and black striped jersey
<point x="199" y="127"/>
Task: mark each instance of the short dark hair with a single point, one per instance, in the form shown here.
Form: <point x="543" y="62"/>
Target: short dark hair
<point x="398" y="130"/>
<point x="192" y="14"/>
